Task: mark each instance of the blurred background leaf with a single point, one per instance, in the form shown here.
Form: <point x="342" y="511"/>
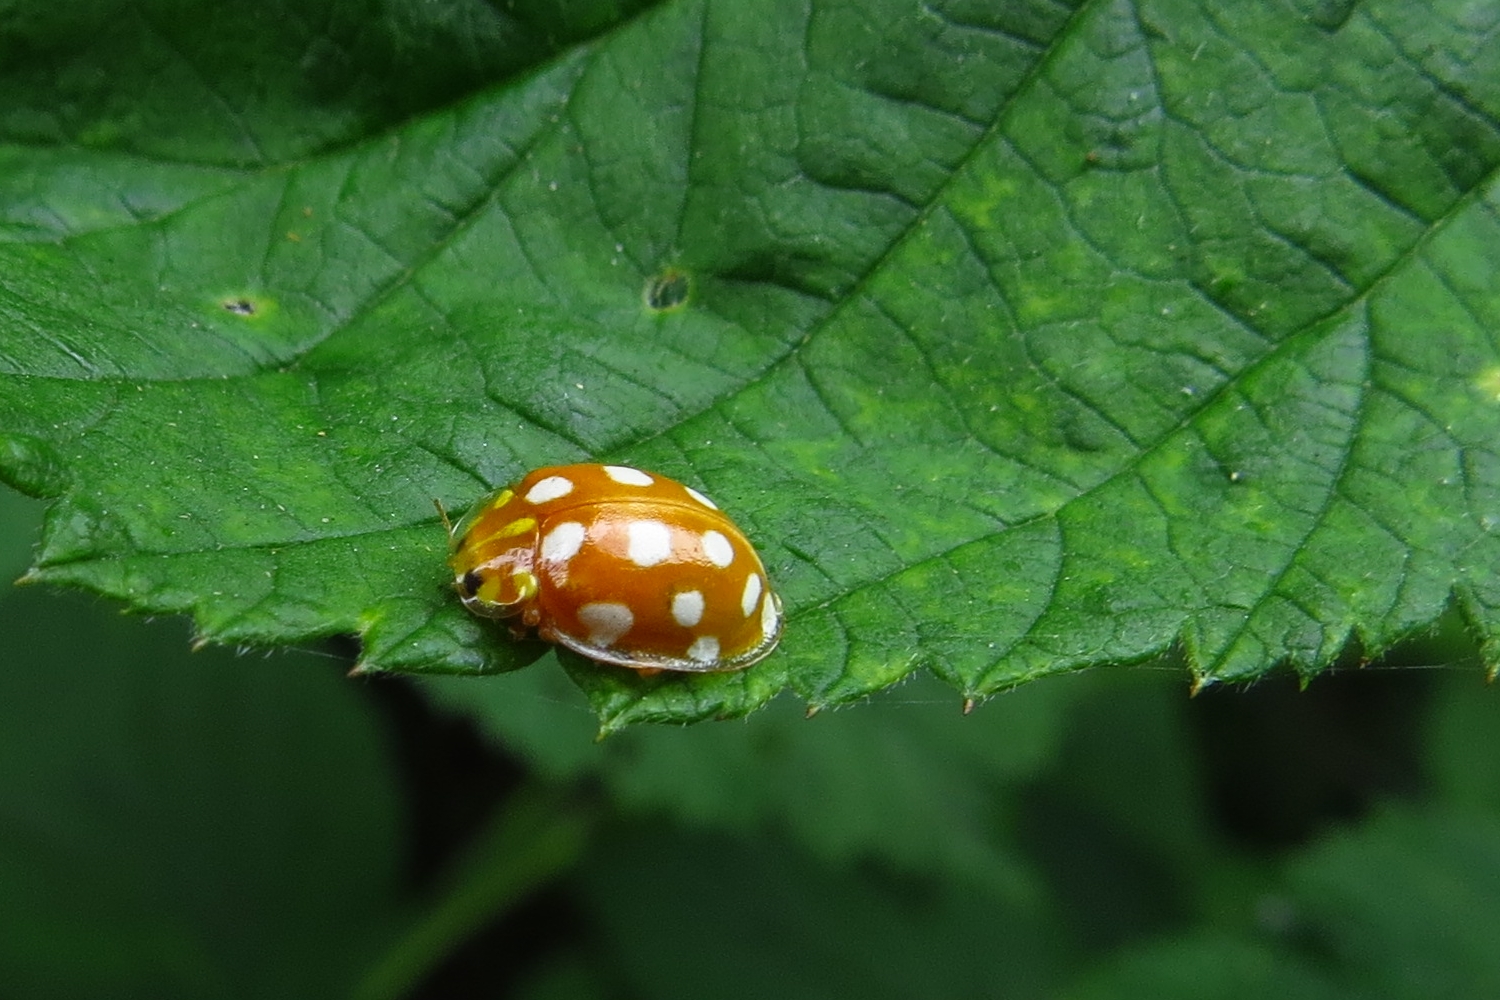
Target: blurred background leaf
<point x="171" y="816"/>
<point x="168" y="820"/>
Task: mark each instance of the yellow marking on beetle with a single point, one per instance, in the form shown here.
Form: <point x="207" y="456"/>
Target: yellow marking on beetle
<point x="526" y="585"/>
<point x="519" y="526"/>
<point x="501" y="499"/>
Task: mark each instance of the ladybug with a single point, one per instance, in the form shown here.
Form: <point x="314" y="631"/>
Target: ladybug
<point x="623" y="566"/>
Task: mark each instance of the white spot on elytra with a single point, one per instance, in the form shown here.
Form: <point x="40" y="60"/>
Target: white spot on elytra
<point x="606" y="621"/>
<point x="718" y="549"/>
<point x="650" y="542"/>
<point x="626" y="476"/>
<point x="751" y="595"/>
<point x="562" y="542"/>
<point x="687" y="608"/>
<point x="770" y="615"/>
<point x="705" y="649"/>
<point x="705" y="501"/>
<point x="550" y="488"/>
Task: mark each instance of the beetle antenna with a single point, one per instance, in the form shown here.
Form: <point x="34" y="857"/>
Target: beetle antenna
<point x="443" y="513"/>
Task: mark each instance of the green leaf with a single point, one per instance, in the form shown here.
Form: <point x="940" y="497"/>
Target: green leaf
<point x="169" y="820"/>
<point x="851" y="785"/>
<point x="1462" y="726"/>
<point x="1207" y="967"/>
<point x="530" y="839"/>
<point x="1407" y="904"/>
<point x="1019" y="339"/>
<point x="1402" y="905"/>
<point x="20" y="520"/>
<point x="760" y="920"/>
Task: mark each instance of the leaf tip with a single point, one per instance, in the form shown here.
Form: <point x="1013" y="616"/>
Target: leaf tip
<point x="969" y="703"/>
<point x="812" y="710"/>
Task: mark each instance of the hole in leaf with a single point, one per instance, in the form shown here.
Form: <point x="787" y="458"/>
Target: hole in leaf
<point x="667" y="290"/>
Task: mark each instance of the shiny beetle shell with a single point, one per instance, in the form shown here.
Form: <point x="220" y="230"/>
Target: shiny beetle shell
<point x="623" y="566"/>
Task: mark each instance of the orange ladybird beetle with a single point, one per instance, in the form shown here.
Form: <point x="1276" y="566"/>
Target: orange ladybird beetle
<point x="623" y="566"/>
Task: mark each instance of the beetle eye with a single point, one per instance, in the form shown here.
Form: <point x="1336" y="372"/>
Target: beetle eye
<point x="468" y="584"/>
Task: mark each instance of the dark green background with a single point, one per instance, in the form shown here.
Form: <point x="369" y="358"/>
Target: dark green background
<point x="171" y="819"/>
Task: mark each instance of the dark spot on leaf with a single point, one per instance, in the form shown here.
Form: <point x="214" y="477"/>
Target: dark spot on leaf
<point x="1084" y="436"/>
<point x="668" y="290"/>
<point x="1328" y="15"/>
<point x="240" y="306"/>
